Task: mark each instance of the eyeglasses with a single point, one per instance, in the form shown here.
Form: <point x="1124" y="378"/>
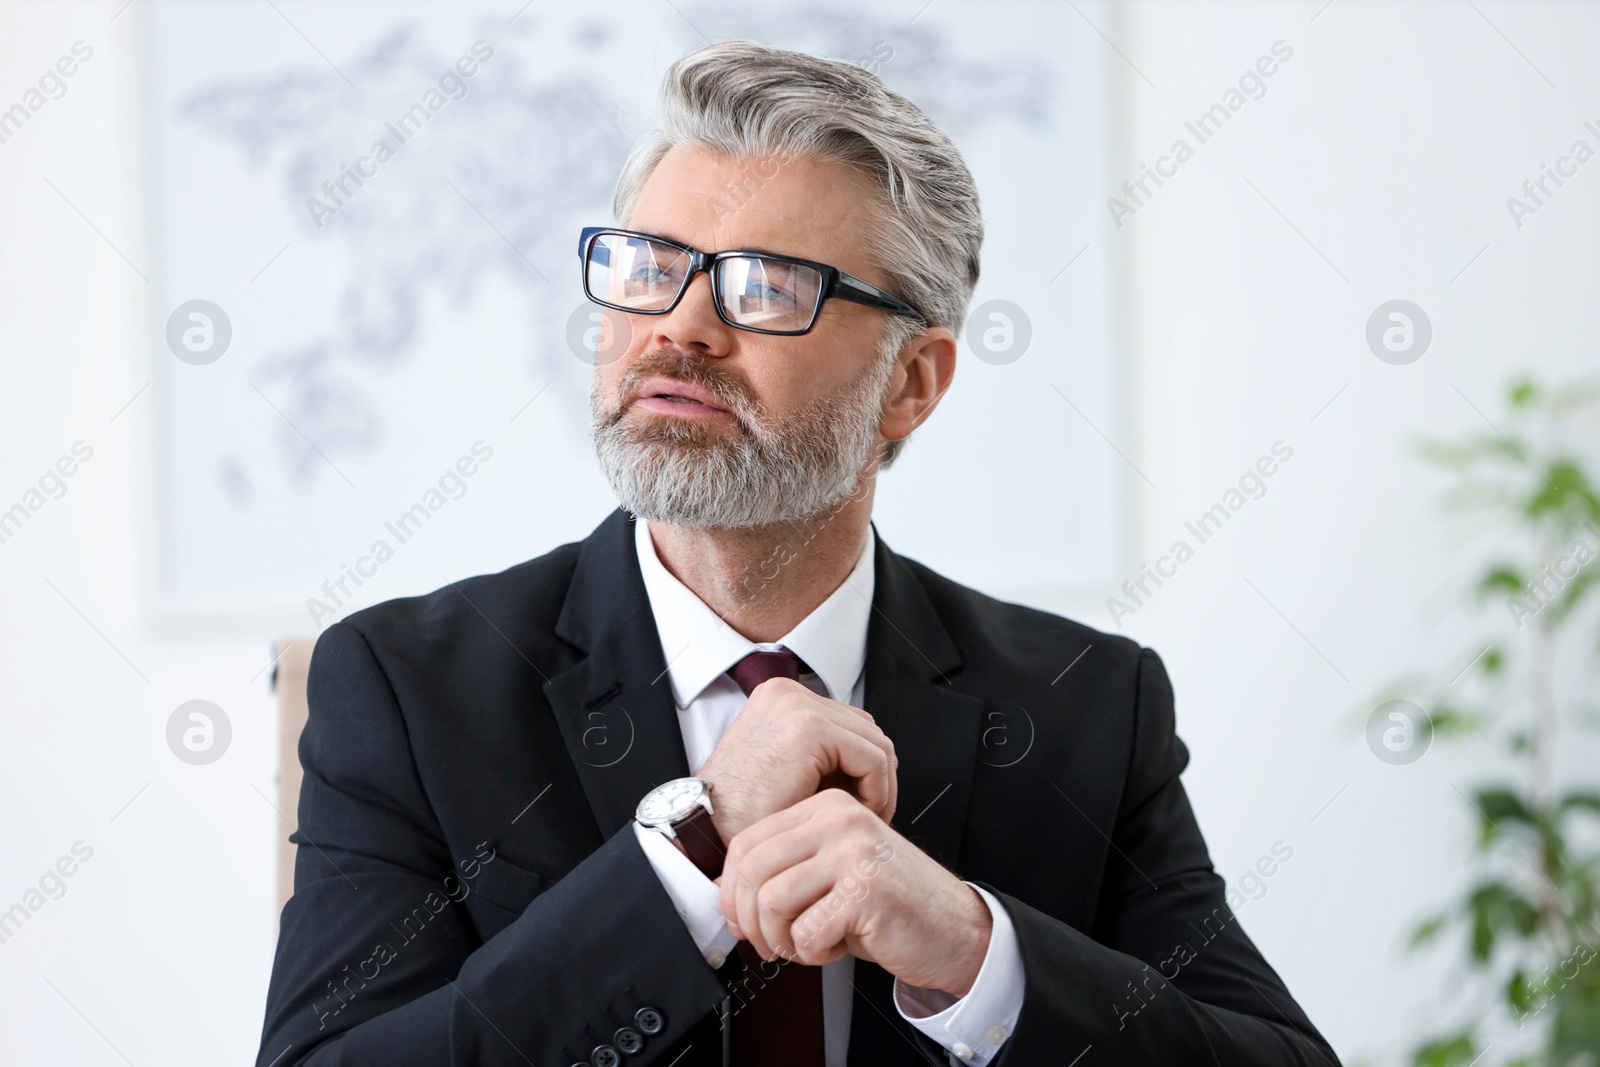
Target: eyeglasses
<point x="757" y="291"/>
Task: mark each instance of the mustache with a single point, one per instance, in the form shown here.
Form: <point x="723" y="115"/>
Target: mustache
<point x="730" y="392"/>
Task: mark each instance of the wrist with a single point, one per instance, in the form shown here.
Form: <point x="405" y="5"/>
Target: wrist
<point x="724" y="815"/>
<point x="971" y="935"/>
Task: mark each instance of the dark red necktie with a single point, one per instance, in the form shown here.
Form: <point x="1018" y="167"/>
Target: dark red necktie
<point x="777" y="1006"/>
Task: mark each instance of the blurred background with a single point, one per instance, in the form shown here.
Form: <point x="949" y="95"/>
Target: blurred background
<point x="1278" y="365"/>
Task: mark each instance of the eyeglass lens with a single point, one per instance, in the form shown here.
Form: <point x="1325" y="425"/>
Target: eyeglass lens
<point x="638" y="274"/>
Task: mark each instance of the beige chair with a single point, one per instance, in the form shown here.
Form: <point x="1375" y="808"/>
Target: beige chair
<point x="289" y="684"/>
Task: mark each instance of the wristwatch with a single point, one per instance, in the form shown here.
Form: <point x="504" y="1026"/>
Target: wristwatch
<point x="681" y="809"/>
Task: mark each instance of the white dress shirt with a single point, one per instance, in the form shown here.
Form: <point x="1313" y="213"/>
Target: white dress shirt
<point x="699" y="648"/>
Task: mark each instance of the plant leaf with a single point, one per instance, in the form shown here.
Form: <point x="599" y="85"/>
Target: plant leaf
<point x="1428" y="929"/>
<point x="1453" y="722"/>
<point x="1446" y="1051"/>
<point x="1586" y="801"/>
<point x="1503" y="805"/>
<point x="1501" y="579"/>
<point x="1495" y="909"/>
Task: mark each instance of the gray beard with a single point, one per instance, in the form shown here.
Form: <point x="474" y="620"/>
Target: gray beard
<point x="771" y="471"/>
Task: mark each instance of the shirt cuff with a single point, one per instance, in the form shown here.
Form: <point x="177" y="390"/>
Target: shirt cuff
<point x="692" y="894"/>
<point x="972" y="1028"/>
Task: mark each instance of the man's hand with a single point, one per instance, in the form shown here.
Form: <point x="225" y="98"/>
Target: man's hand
<point x="828" y="876"/>
<point x="787" y="743"/>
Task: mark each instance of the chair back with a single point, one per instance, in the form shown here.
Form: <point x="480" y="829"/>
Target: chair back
<point x="289" y="685"/>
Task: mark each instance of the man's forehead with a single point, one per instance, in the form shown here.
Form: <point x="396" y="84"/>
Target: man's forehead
<point x="798" y="207"/>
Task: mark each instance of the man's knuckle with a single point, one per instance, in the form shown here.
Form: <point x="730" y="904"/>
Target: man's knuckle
<point x="767" y="900"/>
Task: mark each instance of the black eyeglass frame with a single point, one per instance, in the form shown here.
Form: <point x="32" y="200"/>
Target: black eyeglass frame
<point x="835" y="282"/>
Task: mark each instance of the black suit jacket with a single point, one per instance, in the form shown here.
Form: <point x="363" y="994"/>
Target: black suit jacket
<point x="468" y="888"/>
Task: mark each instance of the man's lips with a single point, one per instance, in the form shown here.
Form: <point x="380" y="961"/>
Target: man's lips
<point x="663" y="396"/>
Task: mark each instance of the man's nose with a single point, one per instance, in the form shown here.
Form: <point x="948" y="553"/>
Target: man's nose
<point x="694" y="324"/>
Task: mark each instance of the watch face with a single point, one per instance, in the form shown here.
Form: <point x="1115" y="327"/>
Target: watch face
<point x="670" y="801"/>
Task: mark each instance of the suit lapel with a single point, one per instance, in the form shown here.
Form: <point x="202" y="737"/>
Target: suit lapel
<point x="614" y="706"/>
<point x="936" y="730"/>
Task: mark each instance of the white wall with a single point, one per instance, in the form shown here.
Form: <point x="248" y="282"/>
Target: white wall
<point x="159" y="948"/>
<point x="1390" y="141"/>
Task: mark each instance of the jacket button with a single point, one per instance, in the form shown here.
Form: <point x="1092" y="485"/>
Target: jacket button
<point x="627" y="1041"/>
<point x="649" y="1021"/>
<point x="605" y="1056"/>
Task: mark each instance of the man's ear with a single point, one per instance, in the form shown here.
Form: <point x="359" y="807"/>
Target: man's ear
<point x="922" y="372"/>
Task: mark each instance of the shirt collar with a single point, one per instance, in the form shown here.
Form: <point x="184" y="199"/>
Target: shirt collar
<point x="699" y="647"/>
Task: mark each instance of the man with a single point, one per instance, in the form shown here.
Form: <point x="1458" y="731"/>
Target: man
<point x="720" y="783"/>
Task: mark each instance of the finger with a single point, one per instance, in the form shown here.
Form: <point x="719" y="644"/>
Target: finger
<point x="848" y="711"/>
<point x="752" y="865"/>
<point x="736" y="895"/>
<point x="882" y="806"/>
<point x="872" y="766"/>
<point x="853" y="719"/>
<point x="773" y="918"/>
<point x="817" y="957"/>
<point x="745" y="916"/>
<point x="802" y="909"/>
<point x="788" y="699"/>
<point x="737" y="891"/>
<point x="772" y="859"/>
<point x="840" y="715"/>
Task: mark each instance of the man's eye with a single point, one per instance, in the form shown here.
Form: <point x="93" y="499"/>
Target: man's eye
<point x="771" y="285"/>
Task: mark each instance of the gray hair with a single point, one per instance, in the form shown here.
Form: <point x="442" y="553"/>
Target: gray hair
<point x="744" y="99"/>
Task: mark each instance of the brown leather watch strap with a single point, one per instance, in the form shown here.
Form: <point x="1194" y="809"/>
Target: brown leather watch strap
<point x="701" y="842"/>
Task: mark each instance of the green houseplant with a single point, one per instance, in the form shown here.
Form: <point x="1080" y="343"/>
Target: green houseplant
<point x="1530" y="918"/>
